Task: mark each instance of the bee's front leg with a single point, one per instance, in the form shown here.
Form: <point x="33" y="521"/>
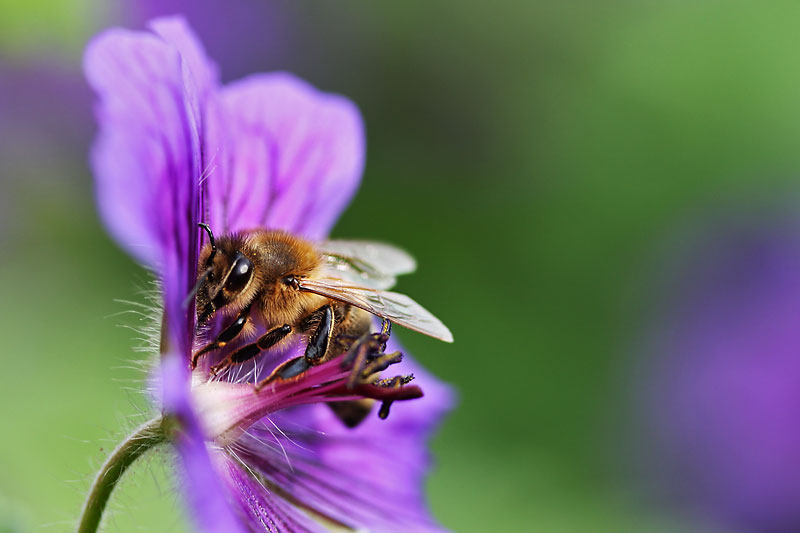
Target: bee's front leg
<point x="227" y="335"/>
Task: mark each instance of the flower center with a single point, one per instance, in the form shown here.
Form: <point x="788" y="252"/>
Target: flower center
<point x="229" y="409"/>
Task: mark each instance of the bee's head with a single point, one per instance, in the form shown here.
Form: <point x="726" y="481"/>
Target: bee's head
<point x="225" y="276"/>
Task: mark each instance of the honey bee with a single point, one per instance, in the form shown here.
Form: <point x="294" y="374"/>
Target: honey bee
<point x="324" y="292"/>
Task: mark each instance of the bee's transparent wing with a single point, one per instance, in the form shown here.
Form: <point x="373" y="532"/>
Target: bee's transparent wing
<point x="374" y="265"/>
<point x="397" y="307"/>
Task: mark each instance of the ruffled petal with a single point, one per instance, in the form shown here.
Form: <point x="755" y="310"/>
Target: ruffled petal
<point x="145" y="145"/>
<point x="204" y="73"/>
<point x="268" y="151"/>
<point x="205" y="494"/>
<point x="287" y="156"/>
<point x="368" y="477"/>
<point x="263" y="508"/>
<point x="148" y="156"/>
<point x="148" y="160"/>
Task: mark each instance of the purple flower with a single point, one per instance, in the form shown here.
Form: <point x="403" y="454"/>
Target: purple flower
<point x="175" y="148"/>
<point x="722" y="393"/>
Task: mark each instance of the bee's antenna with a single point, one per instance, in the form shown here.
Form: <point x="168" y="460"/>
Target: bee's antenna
<point x="211" y="239"/>
<point x="210" y="235"/>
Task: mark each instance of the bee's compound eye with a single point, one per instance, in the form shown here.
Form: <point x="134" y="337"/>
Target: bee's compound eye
<point x="241" y="271"/>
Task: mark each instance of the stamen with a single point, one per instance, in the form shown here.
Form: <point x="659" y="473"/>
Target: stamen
<point x="229" y="409"/>
<point x="395" y="383"/>
<point x="379" y="364"/>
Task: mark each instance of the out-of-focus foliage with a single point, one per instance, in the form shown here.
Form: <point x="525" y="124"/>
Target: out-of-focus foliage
<point x="536" y="157"/>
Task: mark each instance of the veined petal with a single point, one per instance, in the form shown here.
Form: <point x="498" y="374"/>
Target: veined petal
<point x="268" y="151"/>
<point x="369" y="477"/>
<point x="228" y="409"/>
<point x="148" y="161"/>
<point x="144" y="147"/>
<point x="289" y="157"/>
<point x="147" y="157"/>
<point x="264" y="510"/>
<point x="373" y="474"/>
<point x="208" y="502"/>
<point x="204" y="73"/>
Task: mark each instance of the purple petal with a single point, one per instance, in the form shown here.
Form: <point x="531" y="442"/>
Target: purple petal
<point x="202" y="70"/>
<point x="148" y="161"/>
<point x="369" y="477"/>
<point x="202" y="487"/>
<point x="144" y="138"/>
<point x="289" y="157"/>
<point x="147" y="158"/>
<point x="722" y="390"/>
<point x="229" y="409"/>
<point x="264" y="509"/>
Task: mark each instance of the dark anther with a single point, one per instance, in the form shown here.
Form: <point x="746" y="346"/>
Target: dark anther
<point x="394" y="383"/>
<point x="386" y="331"/>
<point x="381" y="363"/>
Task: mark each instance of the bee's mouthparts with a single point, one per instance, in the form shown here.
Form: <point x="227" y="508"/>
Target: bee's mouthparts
<point x="205" y="315"/>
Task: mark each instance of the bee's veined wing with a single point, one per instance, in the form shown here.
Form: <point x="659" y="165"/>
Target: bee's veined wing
<point x="378" y="256"/>
<point x="368" y="264"/>
<point x="397" y="307"/>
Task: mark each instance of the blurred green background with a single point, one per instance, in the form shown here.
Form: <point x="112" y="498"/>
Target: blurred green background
<point x="534" y="156"/>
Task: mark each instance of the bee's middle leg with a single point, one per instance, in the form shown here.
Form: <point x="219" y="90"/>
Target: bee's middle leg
<point x="321" y="338"/>
<point x="227" y="335"/>
<point x="249" y="351"/>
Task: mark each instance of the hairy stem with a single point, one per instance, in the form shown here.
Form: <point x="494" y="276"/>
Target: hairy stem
<point x="145" y="437"/>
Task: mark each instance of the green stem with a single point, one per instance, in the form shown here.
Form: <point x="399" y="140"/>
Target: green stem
<point x="144" y="438"/>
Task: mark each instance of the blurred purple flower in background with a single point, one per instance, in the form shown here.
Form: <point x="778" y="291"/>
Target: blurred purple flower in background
<point x="722" y="388"/>
<point x="176" y="148"/>
<point x="38" y="148"/>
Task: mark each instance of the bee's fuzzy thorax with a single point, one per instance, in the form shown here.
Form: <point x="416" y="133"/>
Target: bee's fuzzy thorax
<point x="279" y="255"/>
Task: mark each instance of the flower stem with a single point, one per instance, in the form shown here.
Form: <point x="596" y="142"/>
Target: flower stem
<point x="145" y="437"/>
